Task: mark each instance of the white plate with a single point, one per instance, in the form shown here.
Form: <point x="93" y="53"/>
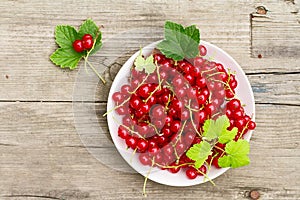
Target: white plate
<point x="243" y="91"/>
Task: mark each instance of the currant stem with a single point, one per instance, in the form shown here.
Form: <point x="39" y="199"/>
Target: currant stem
<point x="87" y="56"/>
<point x="129" y="129"/>
<point x="171" y="167"/>
<point x="155" y="129"/>
<point x="126" y="100"/>
<point x="151" y="94"/>
<point x="244" y="130"/>
<point x="180" y="133"/>
<point x="205" y="176"/>
<point x="92" y="67"/>
<point x="133" y="153"/>
<point x="114" y="108"/>
<point x="191" y="116"/>
<point x="208" y="70"/>
<point x="219" y="148"/>
<point x="146" y="178"/>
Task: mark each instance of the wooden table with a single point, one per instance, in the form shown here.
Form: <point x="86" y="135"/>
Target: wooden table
<point x="41" y="154"/>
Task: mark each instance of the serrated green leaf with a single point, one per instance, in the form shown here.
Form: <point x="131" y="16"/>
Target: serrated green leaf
<point x="227" y="135"/>
<point x="199" y="153"/>
<point x="98" y="44"/>
<point x="147" y="64"/>
<point x="238" y="147"/>
<point x="234" y="161"/>
<point x="139" y="63"/>
<point x="66" y="58"/>
<point x="213" y="129"/>
<point x="65" y="35"/>
<point x="210" y="131"/>
<point x="236" y="154"/>
<point x="222" y="123"/>
<point x="88" y="27"/>
<point x="224" y="161"/>
<point x="180" y="42"/>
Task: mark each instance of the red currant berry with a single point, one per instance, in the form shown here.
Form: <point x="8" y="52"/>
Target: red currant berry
<point x="174" y="168"/>
<point x="166" y="132"/>
<point x="199" y="62"/>
<point x="131" y="142"/>
<point x="215" y="162"/>
<point x="234" y="104"/>
<point x="202" y="50"/>
<point x="191" y="173"/>
<point x="87" y="36"/>
<point x="135" y="102"/>
<point x="142" y="145"/>
<point x="123" y="132"/>
<point x="251" y="125"/>
<point x="118" y="97"/>
<point x="153" y="150"/>
<point x="158" y="58"/>
<point x="78" y="46"/>
<point x="144" y="91"/>
<point x="158" y="112"/>
<point x="145" y="159"/>
<point x="122" y="110"/>
<point x="201" y="82"/>
<point x="202" y="170"/>
<point x="87" y="41"/>
<point x="240" y="123"/>
<point x="175" y="126"/>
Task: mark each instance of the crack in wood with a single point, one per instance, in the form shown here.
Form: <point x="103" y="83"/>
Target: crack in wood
<point x="82" y="146"/>
<point x="3" y="144"/>
<point x="32" y="196"/>
<point x="271" y="73"/>
<point x="278" y="104"/>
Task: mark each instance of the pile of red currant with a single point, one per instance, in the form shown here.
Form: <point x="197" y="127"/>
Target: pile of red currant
<point x="164" y="112"/>
<point x="86" y="43"/>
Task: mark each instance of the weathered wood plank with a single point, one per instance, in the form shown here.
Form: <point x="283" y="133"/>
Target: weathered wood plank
<point x="276" y="32"/>
<point x="27" y="36"/>
<point x="41" y="155"/>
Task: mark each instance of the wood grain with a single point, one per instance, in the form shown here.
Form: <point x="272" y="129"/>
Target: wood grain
<point x="276" y="34"/>
<point x="27" y="36"/>
<point x="41" y="154"/>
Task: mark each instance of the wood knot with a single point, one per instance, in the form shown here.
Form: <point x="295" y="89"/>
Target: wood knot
<point x="254" y="194"/>
<point x="6" y="76"/>
<point x="261" y="10"/>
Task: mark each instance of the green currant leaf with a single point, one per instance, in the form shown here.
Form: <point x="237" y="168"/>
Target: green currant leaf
<point x="227" y="135"/>
<point x="213" y="129"/>
<point x="88" y="27"/>
<point x="180" y="42"/>
<point x="236" y="154"/>
<point x="141" y="63"/>
<point x="65" y="36"/>
<point x="210" y="131"/>
<point x="98" y="44"/>
<point x="66" y="58"/>
<point x="149" y="65"/>
<point x="199" y="153"/>
<point x="222" y="123"/>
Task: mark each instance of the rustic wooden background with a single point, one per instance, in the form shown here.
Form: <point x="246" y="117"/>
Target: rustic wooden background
<point x="41" y="155"/>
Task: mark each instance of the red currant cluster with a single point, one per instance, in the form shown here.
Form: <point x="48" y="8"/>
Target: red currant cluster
<point x="164" y="112"/>
<point x="86" y="43"/>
